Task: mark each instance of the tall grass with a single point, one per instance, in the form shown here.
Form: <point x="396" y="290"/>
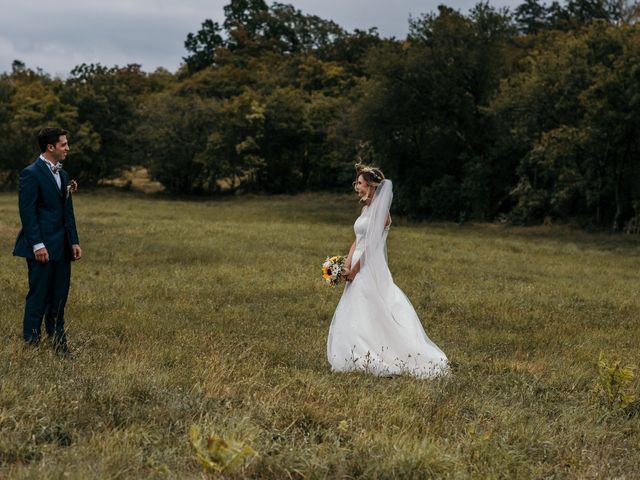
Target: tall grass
<point x="212" y="314"/>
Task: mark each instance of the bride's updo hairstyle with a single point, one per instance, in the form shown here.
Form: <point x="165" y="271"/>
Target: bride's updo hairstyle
<point x="372" y="175"/>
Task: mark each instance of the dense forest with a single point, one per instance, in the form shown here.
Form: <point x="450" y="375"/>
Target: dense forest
<point x="526" y="116"/>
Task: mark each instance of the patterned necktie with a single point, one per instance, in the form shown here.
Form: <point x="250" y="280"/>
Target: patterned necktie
<point x="55" y="168"/>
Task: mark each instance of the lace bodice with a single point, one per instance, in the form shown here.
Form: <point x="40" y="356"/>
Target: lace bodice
<point x="360" y="229"/>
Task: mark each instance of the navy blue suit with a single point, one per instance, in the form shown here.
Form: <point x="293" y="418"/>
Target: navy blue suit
<point x="46" y="213"/>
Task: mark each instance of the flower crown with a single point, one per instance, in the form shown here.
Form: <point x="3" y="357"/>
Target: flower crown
<point x="360" y="169"/>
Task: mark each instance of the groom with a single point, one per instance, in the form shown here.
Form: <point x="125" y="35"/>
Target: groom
<point x="48" y="239"/>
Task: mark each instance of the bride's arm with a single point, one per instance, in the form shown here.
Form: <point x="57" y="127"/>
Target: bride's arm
<point x="349" y="270"/>
<point x="353" y="272"/>
<point x="347" y="263"/>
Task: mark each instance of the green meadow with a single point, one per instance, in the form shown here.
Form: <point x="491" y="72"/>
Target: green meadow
<point x="212" y="314"/>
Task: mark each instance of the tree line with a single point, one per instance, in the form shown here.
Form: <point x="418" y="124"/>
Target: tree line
<point x="524" y="116"/>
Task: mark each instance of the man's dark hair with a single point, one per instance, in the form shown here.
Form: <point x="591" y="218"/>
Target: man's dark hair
<point x="49" y="136"/>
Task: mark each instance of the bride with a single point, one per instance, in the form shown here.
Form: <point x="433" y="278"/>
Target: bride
<point x="374" y="328"/>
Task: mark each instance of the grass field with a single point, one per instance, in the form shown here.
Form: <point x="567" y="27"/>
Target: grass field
<point x="212" y="314"/>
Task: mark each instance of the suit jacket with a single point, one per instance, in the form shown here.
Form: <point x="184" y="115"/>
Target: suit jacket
<point x="46" y="213"/>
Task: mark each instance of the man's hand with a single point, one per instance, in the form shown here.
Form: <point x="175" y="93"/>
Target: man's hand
<point x="76" y="251"/>
<point x="42" y="255"/>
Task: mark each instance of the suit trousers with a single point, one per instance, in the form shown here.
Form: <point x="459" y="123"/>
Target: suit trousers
<point x="48" y="291"/>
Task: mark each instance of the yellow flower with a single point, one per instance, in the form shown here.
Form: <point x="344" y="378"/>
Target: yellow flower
<point x="326" y="273"/>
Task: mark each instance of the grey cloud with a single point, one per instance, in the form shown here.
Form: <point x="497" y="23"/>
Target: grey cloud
<point x="61" y="35"/>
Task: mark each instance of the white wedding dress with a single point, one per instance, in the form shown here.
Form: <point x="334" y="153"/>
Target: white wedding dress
<point x="375" y="328"/>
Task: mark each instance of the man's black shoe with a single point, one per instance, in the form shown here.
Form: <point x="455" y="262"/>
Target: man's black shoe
<point x="32" y="345"/>
<point x="62" y="349"/>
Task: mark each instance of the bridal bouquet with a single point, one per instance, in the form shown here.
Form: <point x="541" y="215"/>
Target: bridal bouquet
<point x="332" y="269"/>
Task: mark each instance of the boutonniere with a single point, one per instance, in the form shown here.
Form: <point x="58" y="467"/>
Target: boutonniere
<point x="72" y="187"/>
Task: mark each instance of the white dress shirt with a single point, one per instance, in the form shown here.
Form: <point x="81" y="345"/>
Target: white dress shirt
<point x="56" y="175"/>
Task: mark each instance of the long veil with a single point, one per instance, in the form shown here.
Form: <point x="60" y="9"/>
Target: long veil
<point x="375" y="241"/>
<point x="375" y="256"/>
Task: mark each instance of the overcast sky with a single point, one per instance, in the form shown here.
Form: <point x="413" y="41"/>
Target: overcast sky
<point x="56" y="36"/>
